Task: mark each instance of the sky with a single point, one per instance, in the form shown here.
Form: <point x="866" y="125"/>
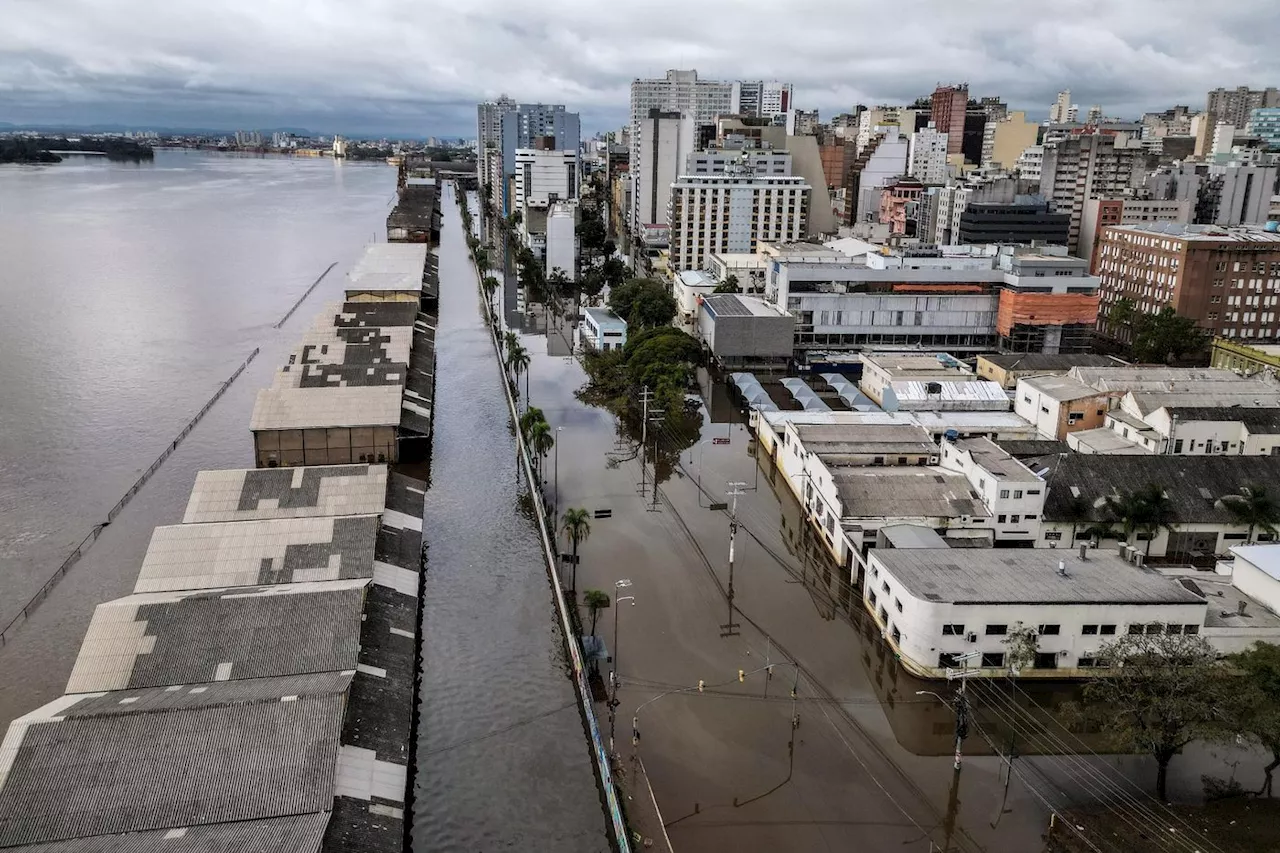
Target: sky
<point x="417" y="68"/>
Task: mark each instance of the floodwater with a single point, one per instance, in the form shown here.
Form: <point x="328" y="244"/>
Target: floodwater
<point x="130" y="293"/>
<point x="503" y="759"/>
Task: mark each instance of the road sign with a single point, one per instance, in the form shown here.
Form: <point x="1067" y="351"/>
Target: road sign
<point x="720" y="440"/>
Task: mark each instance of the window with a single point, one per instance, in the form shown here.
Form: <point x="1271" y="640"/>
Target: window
<point x="897" y="604"/>
<point x="1172" y="629"/>
<point x="948" y="660"/>
<point x="993" y="659"/>
<point x="1053" y="536"/>
<point x="884" y="587"/>
<point x="1049" y="630"/>
<point x="1004" y="493"/>
<point x="1135" y="629"/>
<point x="1029" y="518"/>
<point x="1014" y="519"/>
<point x="883" y="614"/>
<point x="871" y="596"/>
<point x="952" y="629"/>
<point x="1089" y="630"/>
<point x="997" y="630"/>
<point x="1086" y="663"/>
<point x="1037" y="491"/>
<point x="1107" y="630"/>
<point x="1046" y="660"/>
<point x="896" y="634"/>
<point x="1191" y="629"/>
<point x="1155" y="628"/>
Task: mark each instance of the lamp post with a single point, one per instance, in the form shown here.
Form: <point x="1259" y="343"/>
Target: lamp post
<point x="613" y="673"/>
<point x="556" y="512"/>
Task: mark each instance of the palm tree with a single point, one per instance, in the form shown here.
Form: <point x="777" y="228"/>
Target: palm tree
<point x="1255" y="507"/>
<point x="540" y="442"/>
<point x="1146" y="510"/>
<point x="595" y="601"/>
<point x="518" y="362"/>
<point x="482" y="260"/>
<point x="510" y="340"/>
<point x="490" y="285"/>
<point x="530" y="417"/>
<point x="578" y="529"/>
<point x="1078" y="511"/>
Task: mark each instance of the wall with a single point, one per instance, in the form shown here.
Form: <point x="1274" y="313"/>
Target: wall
<point x="1045" y="309"/>
<point x="737" y="337"/>
<point x="1256" y="584"/>
<point x="1005" y="498"/>
<point x="1013" y="135"/>
<point x="920" y="623"/>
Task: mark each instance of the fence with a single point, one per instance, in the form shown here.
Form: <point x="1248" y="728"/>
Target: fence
<point x="604" y="768"/>
<point x="303" y="297"/>
<point x="7" y="632"/>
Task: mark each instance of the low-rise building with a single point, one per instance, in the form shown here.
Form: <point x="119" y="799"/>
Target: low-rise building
<point x="897" y="382"/>
<point x="1059" y="405"/>
<point x="602" y="330"/>
<point x="1007" y="369"/>
<point x="690" y="288"/>
<point x="1246" y="359"/>
<point x="1011" y="492"/>
<point x="742" y="331"/>
<point x="746" y="267"/>
<point x="935" y="606"/>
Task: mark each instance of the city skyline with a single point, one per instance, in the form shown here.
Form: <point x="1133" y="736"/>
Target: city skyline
<point x="419" y="71"/>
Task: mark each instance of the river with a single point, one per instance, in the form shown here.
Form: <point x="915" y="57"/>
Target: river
<point x="131" y="291"/>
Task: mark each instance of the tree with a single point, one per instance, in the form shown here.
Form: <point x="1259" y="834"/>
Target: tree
<point x="1023" y="642"/>
<point x="1165" y="336"/>
<point x="595" y="601"/>
<point x="1254" y="506"/>
<point x="540" y="441"/>
<point x="1146" y="510"/>
<point x="1078" y="511"/>
<point x="530" y="417"/>
<point x="729" y="285"/>
<point x="1256" y="702"/>
<point x="482" y="260"/>
<point x="510" y="340"/>
<point x="578" y="529"/>
<point x="490" y="285"/>
<point x="1120" y="317"/>
<point x="643" y="302"/>
<point x="592" y="234"/>
<point x="1162" y="692"/>
<point x="518" y="362"/>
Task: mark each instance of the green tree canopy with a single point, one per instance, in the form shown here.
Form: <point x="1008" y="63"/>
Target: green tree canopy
<point x="643" y="303"/>
<point x="1256" y="702"/>
<point x="1166" y="336"/>
<point x="596" y="600"/>
<point x="729" y="285"/>
<point x="1256" y="507"/>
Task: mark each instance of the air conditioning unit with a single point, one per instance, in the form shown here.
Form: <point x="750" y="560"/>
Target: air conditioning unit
<point x="971" y="637"/>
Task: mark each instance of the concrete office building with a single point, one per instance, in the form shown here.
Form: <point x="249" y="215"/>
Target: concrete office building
<point x="1030" y="163"/>
<point x="543" y="176"/>
<point x="927" y="155"/>
<point x="1062" y="111"/>
<point x="489" y="137"/>
<point x="761" y="99"/>
<point x="530" y="126"/>
<point x="562" y="243"/>
<point x="1027" y="219"/>
<point x="882" y="161"/>
<point x="1233" y="106"/>
<point x="1220" y="193"/>
<point x="1226" y="279"/>
<point x="876" y="120"/>
<point x="1085" y="166"/>
<point x="679" y="92"/>
<point x="665" y="141"/>
<point x="1005" y="140"/>
<point x="947" y="112"/>
<point x="1264" y="123"/>
<point x="953" y="199"/>
<point x="733" y="212"/>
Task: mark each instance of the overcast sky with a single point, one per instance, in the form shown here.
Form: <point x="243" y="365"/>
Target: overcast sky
<point x="417" y="67"/>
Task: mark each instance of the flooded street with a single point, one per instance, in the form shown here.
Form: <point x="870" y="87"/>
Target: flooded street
<point x="133" y="291"/>
<point x="503" y="761"/>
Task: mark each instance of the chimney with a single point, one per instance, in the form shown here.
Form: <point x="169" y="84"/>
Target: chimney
<point x="1241" y="606"/>
<point x="1062" y="568"/>
<point x="1084" y="552"/>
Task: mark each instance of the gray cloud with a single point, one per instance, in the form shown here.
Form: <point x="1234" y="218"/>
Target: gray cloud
<point x="378" y="66"/>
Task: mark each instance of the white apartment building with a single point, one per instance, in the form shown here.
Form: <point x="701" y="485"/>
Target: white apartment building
<point x="1078" y="168"/>
<point x="489" y="136"/>
<point x="878" y="119"/>
<point x="732" y="213"/>
<point x="927" y="156"/>
<point x="935" y="605"/>
<point x="664" y="142"/>
<point x="679" y="92"/>
<point x="544" y="176"/>
<point x="762" y="98"/>
<point x="1011" y="492"/>
<point x="718" y="161"/>
<point x="1062" y="111"/>
<point x="886" y="164"/>
<point x="1031" y="163"/>
<point x="562" y="244"/>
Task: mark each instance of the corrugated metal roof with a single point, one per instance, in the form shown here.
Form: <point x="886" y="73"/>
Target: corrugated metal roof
<point x="389" y="266"/>
<point x="296" y="833"/>
<point x="72" y="776"/>
<point x="251" y="553"/>
<point x="287" y="493"/>
<point x="154" y="639"/>
<point x="319" y="408"/>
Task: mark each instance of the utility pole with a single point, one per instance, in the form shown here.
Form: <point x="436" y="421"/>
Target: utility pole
<point x="646" y="396"/>
<point x="654" y="414"/>
<point x="730" y="628"/>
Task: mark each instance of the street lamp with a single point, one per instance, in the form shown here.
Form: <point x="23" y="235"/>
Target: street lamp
<point x="556" y="512"/>
<point x="961" y="709"/>
<point x="613" y="673"/>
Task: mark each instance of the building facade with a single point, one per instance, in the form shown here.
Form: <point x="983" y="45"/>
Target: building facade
<point x="732" y="213"/>
<point x="1226" y="279"/>
<point x="1027" y="219"/>
<point x="1079" y="167"/>
<point x="489" y="137"/>
<point x="1264" y="123"/>
<point x="947" y="111"/>
<point x="1005" y="140"/>
<point x="927" y="156"/>
<point x="1233" y="106"/>
<point x="536" y="126"/>
<point x="665" y="141"/>
<point x="1100" y="213"/>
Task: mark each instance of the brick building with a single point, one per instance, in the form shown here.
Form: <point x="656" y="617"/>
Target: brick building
<point x="947" y="111"/>
<point x="1226" y="279"/>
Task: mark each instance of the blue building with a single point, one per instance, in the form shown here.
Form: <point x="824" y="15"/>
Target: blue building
<point x="1264" y="122"/>
<point x="526" y="124"/>
<point x="602" y="330"/>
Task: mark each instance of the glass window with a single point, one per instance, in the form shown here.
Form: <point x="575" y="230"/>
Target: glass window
<point x="1107" y="630"/>
<point x="1046" y="660"/>
<point x="896" y="634"/>
<point x="871" y="596"/>
<point x="1191" y="629"/>
<point x="1049" y="630"/>
<point x="1089" y="630"/>
<point x="885" y="588"/>
<point x="1155" y="628"/>
<point x="997" y="630"/>
<point x="1004" y="493"/>
<point x="898" y="604"/>
<point x="1135" y="629"/>
<point x="948" y="660"/>
<point x="952" y="629"/>
<point x="1172" y="629"/>
<point x="993" y="659"/>
<point x="1017" y="493"/>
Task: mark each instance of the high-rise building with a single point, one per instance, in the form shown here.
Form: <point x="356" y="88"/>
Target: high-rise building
<point x="881" y="161"/>
<point x="1220" y="193"/>
<point x="1004" y="141"/>
<point x="761" y="99"/>
<point x="1062" y="111"/>
<point x="1026" y="219"/>
<point x="489" y="134"/>
<point x="1100" y="213"/>
<point x="733" y="212"/>
<point x="947" y="111"/>
<point x="679" y="92"/>
<point x="927" y="156"/>
<point x="876" y="119"/>
<point x="1233" y="106"/>
<point x="530" y="126"/>
<point x="1030" y="163"/>
<point x="1095" y="114"/>
<point x="954" y="199"/>
<point x="544" y="176"/>
<point x="1089" y="165"/>
<point x="666" y="139"/>
<point x="1223" y="278"/>
<point x="1264" y="123"/>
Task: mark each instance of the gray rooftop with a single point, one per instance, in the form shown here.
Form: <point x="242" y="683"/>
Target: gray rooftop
<point x="303" y="492"/>
<point x="912" y="536"/>
<point x="300" y="833"/>
<point x="389" y="267"/>
<point x="839" y="444"/>
<point x="1203" y="233"/>
<point x="160" y="639"/>
<point x="906" y="492"/>
<point x="1034" y="361"/>
<point x="319" y="408"/>
<point x="124" y="762"/>
<point x="252" y="553"/>
<point x="1061" y="388"/>
<point x="996" y="460"/>
<point x="1028" y="576"/>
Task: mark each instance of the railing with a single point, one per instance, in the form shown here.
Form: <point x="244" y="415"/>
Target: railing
<point x="303" y="297"/>
<point x="74" y="557"/>
<point x="604" y="768"/>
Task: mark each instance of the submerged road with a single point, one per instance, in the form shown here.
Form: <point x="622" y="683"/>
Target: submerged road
<point x="503" y="760"/>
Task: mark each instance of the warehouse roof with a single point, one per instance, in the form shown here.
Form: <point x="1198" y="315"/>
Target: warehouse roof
<point x="1028" y="576"/>
<point x="389" y="267"/>
<point x="1194" y="484"/>
<point x="1033" y="361"/>
<point x="251" y="553"/>
<point x="171" y="757"/>
<point x="995" y="460"/>
<point x="905" y="493"/>
<point x="300" y="833"/>
<point x="836" y="444"/>
<point x="376" y="314"/>
<point x="238" y="495"/>
<point x="1060" y="388"/>
<point x="165" y="638"/>
<point x="319" y="408"/>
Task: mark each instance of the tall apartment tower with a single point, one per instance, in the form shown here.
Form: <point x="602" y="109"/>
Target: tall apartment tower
<point x="927" y="156"/>
<point x="761" y="98"/>
<point x="1232" y="106"/>
<point x="947" y="110"/>
<point x="679" y="92"/>
<point x="1077" y="168"/>
<point x="528" y="126"/>
<point x="489" y="133"/>
<point x="1061" y="110"/>
<point x="666" y="141"/>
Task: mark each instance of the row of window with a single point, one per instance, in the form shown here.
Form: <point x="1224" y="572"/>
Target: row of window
<point x="1043" y="660"/>
<point x="956" y="629"/>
